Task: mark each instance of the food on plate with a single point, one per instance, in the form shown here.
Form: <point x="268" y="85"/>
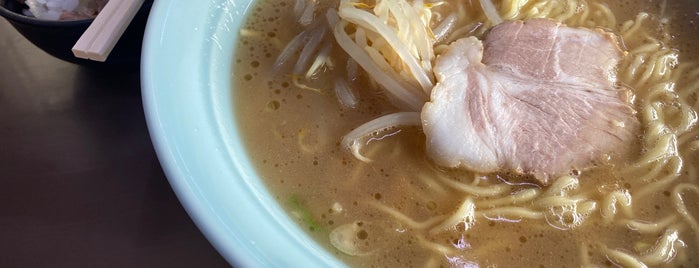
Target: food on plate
<point x="478" y="133"/>
<point x="64" y="9"/>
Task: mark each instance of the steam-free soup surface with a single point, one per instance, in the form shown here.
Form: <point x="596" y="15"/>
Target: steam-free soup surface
<point x="396" y="208"/>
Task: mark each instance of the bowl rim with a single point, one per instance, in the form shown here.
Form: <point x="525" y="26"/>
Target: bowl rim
<point x="187" y="104"/>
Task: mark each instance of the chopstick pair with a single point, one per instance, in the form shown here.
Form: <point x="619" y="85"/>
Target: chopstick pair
<point x="100" y="38"/>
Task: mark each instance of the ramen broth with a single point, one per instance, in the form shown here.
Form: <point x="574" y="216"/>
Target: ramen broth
<point x="393" y="205"/>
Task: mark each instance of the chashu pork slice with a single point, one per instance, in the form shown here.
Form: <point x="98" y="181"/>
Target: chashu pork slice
<point x="534" y="97"/>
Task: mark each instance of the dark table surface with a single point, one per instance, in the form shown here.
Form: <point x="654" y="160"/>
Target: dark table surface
<point x="80" y="184"/>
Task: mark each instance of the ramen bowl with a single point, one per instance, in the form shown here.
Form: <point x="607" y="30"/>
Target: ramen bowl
<point x="186" y="71"/>
<point x="206" y="101"/>
<point x="58" y="37"/>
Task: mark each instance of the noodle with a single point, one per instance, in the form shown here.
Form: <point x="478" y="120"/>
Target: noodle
<point x="407" y="220"/>
<point x="475" y="190"/>
<point x="392" y="45"/>
<point x="511" y="213"/>
<point x="649" y="68"/>
<point x="512" y="199"/>
<point x="648" y="227"/>
<point x="622" y="258"/>
<point x="609" y="205"/>
<point x="465" y="214"/>
<point x="664" y="250"/>
<point x="682" y="209"/>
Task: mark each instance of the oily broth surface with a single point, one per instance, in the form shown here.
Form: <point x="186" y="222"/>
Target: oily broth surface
<point x="292" y="136"/>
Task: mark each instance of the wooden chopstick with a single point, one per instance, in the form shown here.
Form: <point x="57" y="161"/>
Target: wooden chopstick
<point x="100" y="38"/>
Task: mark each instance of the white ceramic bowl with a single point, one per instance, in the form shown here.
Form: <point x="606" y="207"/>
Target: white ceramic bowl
<point x="186" y="73"/>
